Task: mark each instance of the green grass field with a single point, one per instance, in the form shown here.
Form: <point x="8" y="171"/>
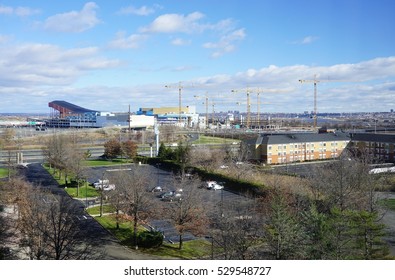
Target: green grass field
<point x="103" y="162"/>
<point x="96" y="210"/>
<point x="3" y="172"/>
<point x="194" y="249"/>
<point x="214" y="140"/>
<point x="389" y="203"/>
<point x="85" y="191"/>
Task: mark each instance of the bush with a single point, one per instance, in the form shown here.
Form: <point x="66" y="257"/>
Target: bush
<point x="150" y="239"/>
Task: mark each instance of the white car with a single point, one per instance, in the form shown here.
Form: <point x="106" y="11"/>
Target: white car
<point x="103" y="184"/>
<point x="213" y="185"/>
<point x="217" y="187"/>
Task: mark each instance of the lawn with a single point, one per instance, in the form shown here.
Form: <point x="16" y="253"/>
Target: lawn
<point x="214" y="140"/>
<point x="96" y="209"/>
<point x="125" y="232"/>
<point x="3" y="172"/>
<point x="85" y="191"/>
<point x="389" y="203"/>
<point x="195" y="249"/>
<point x="104" y="162"/>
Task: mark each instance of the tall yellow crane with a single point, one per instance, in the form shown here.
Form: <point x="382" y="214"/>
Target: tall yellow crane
<point x="213" y="103"/>
<point x="247" y="91"/>
<point x="179" y="87"/>
<point x="258" y="91"/>
<point x="314" y="81"/>
<point x="206" y="103"/>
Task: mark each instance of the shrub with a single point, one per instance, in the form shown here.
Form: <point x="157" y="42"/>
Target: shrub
<point x="150" y="239"/>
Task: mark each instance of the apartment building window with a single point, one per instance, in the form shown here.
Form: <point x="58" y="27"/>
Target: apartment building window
<point x="285" y="147"/>
<point x="269" y="147"/>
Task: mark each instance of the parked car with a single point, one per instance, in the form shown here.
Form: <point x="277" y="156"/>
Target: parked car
<point x="217" y="187"/>
<point x="213" y="185"/>
<point x="103" y="184"/>
<point x="171" y="196"/>
<point x="157" y="189"/>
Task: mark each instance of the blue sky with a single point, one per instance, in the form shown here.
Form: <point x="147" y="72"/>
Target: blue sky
<point x="106" y="55"/>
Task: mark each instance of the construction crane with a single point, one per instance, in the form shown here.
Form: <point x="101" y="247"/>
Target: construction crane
<point x="314" y="81"/>
<point x="213" y="103"/>
<point x="206" y="103"/>
<point x="180" y="87"/>
<point x="248" y="91"/>
<point x="258" y="91"/>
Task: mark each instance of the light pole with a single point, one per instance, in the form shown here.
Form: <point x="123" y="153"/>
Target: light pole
<point x="101" y="194"/>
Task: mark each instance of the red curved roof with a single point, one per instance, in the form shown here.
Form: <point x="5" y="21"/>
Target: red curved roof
<point x="66" y="108"/>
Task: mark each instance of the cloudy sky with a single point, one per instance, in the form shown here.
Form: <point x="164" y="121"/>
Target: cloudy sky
<point x="106" y="55"/>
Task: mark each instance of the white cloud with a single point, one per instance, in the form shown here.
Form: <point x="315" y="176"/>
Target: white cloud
<point x="364" y="86"/>
<point x="44" y="64"/>
<point x="74" y="21"/>
<point x="122" y="41"/>
<point x="180" y="42"/>
<point x="18" y="11"/>
<point x="226" y="43"/>
<point x="306" y="40"/>
<point x="4" y="39"/>
<point x="5" y="10"/>
<point x="175" y="23"/>
<point x="142" y="11"/>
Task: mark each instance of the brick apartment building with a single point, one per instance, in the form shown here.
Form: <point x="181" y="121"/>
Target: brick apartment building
<point x="297" y="147"/>
<point x="379" y="146"/>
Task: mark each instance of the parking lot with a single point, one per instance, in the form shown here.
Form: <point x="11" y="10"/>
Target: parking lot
<point x="212" y="199"/>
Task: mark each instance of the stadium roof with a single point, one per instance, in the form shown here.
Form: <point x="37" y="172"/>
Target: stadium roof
<point x="68" y="108"/>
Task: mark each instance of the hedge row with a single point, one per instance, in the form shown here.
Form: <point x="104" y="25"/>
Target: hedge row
<point x="230" y="183"/>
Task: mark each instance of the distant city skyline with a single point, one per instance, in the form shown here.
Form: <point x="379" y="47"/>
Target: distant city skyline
<point x="107" y="55"/>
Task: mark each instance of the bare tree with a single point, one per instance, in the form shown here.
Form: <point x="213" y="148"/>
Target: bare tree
<point x="55" y="152"/>
<point x="187" y="211"/>
<point x="207" y="159"/>
<point x="8" y="143"/>
<point x="49" y="227"/>
<point x="236" y="230"/>
<point x="131" y="186"/>
<point x="346" y="192"/>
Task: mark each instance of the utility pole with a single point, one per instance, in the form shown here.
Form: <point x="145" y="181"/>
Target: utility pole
<point x="129" y="125"/>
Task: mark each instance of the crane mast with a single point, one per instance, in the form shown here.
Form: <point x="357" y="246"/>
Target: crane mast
<point x="314" y="81"/>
